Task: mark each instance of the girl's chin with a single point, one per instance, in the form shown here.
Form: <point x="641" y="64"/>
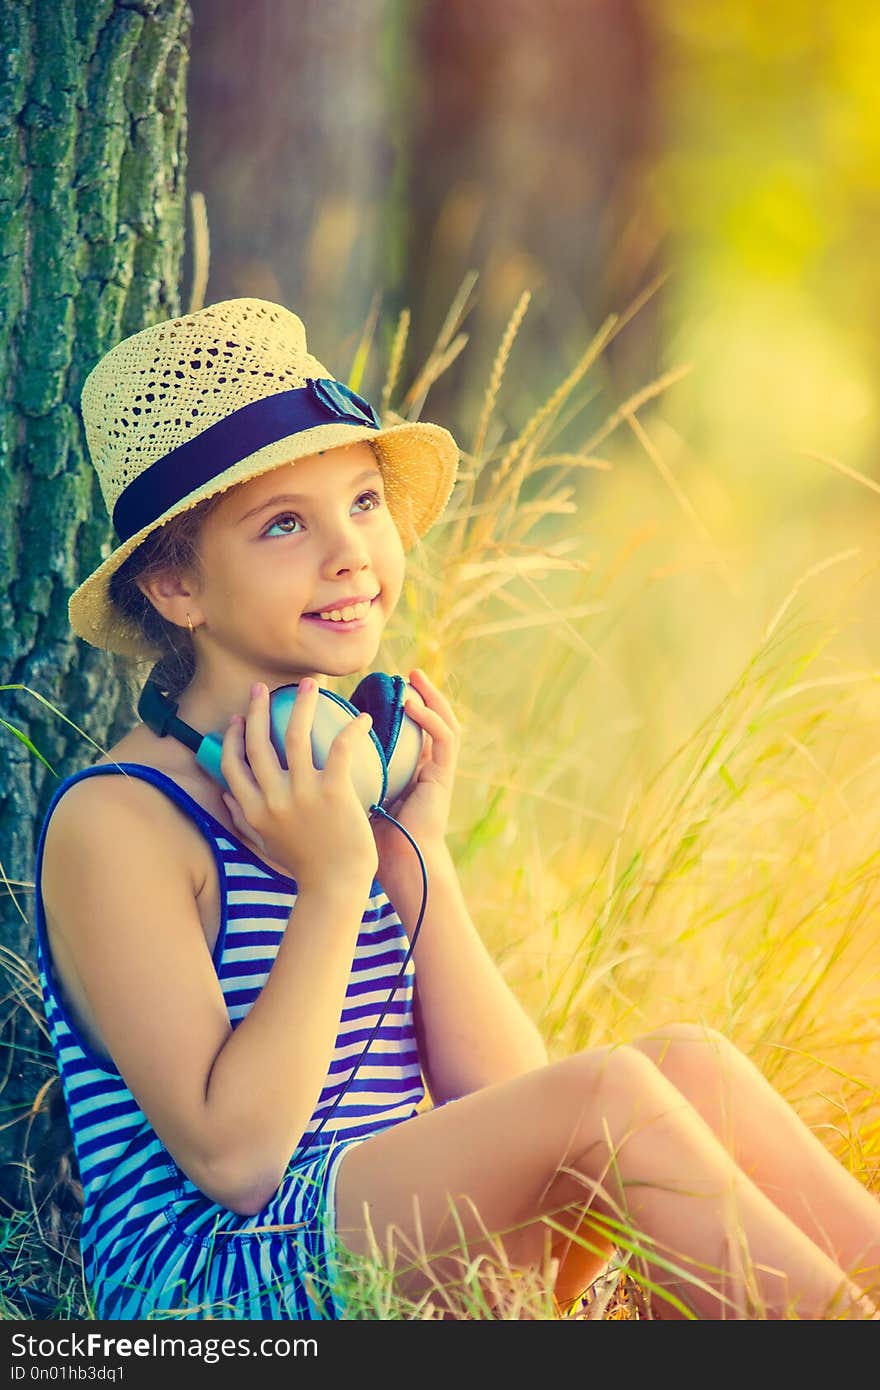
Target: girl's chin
<point x="347" y="663"/>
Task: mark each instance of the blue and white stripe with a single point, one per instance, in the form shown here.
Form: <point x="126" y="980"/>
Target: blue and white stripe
<point x="152" y="1243"/>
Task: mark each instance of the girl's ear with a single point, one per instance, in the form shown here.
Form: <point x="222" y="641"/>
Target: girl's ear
<point x="171" y="593"/>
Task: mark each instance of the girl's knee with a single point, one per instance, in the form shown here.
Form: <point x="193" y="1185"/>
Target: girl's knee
<point x="690" y="1055"/>
<point x="622" y="1102"/>
<point x="617" y="1082"/>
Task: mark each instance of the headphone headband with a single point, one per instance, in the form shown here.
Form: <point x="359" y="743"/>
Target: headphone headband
<point x="159" y="713"/>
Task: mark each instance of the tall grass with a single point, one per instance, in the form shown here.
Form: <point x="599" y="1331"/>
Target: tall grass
<point x="625" y="868"/>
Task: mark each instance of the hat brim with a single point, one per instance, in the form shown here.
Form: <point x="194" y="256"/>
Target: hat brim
<point x="419" y="462"/>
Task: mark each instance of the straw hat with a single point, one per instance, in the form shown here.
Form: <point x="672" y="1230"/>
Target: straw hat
<point x="194" y="405"/>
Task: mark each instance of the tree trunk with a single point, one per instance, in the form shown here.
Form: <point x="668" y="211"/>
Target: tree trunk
<point x="294" y="151"/>
<point x="529" y="132"/>
<point x="92" y="164"/>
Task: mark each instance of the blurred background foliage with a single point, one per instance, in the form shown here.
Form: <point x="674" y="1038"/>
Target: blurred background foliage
<point x="358" y="158"/>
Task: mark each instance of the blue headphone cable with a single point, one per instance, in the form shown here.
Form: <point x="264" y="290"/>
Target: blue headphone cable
<point x="379" y="811"/>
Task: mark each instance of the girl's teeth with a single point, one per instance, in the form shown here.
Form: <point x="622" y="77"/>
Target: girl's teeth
<point x="359" y="610"/>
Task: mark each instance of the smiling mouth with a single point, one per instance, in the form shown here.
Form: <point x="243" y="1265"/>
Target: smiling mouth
<point x="355" y="617"/>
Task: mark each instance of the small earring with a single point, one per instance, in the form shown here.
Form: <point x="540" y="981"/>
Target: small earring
<point x="189" y="624"/>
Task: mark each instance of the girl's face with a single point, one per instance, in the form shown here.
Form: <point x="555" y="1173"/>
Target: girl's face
<point x="309" y="537"/>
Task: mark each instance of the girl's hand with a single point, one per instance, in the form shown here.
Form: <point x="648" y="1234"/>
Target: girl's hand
<point x="308" y="820"/>
<point x="423" y="808"/>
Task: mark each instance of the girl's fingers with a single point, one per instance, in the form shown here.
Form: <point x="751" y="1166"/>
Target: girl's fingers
<point x="343" y="745"/>
<point x="298" y="734"/>
<point x="443" y="738"/>
<point x="248" y="760"/>
<point x="258" y="745"/>
<point x="241" y="822"/>
<point x="235" y="811"/>
<point x="240" y="779"/>
<point x="434" y="698"/>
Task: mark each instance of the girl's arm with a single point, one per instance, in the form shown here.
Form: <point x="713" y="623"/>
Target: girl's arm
<point x="229" y="1105"/>
<point x="265" y="1081"/>
<point x="473" y="1031"/>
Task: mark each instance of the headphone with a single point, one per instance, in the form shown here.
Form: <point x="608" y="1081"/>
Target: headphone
<point x="380" y="770"/>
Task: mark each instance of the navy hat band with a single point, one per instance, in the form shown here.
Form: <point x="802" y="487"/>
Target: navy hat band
<point x="321" y="401"/>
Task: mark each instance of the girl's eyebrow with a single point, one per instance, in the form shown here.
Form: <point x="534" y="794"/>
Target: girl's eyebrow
<point x="368" y="475"/>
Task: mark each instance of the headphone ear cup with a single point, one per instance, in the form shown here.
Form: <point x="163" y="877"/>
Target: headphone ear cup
<point x="382" y="697"/>
<point x="332" y="714"/>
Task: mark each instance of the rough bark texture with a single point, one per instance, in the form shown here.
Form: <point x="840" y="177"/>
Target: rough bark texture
<point x="92" y="186"/>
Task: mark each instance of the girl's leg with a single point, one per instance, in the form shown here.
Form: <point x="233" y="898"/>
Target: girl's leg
<point x="602" y="1128"/>
<point x="769" y="1142"/>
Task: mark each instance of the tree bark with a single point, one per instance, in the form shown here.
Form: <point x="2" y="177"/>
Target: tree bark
<point x="92" y="189"/>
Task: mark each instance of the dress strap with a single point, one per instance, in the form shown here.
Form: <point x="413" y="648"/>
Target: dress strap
<point x="144" y="773"/>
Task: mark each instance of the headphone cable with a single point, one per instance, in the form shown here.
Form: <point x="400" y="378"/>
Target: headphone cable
<point x="395" y="986"/>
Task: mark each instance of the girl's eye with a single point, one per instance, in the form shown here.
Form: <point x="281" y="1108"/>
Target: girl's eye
<point x="377" y="500"/>
<point x="285" y="516"/>
<point x="292" y="516"/>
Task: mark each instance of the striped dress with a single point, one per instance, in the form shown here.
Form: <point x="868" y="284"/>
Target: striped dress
<point x="152" y="1244"/>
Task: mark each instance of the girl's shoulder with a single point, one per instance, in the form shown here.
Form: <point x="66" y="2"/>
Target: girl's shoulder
<point x="113" y="812"/>
<point x="101" y="845"/>
<point x="141" y="748"/>
<point x="117" y="805"/>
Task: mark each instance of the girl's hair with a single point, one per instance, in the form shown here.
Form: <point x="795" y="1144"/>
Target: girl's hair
<point x="174" y="546"/>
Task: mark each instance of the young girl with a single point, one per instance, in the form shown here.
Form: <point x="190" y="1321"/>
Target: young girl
<point x="213" y="962"/>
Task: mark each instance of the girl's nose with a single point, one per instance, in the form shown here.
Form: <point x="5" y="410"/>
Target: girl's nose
<point x="346" y="548"/>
